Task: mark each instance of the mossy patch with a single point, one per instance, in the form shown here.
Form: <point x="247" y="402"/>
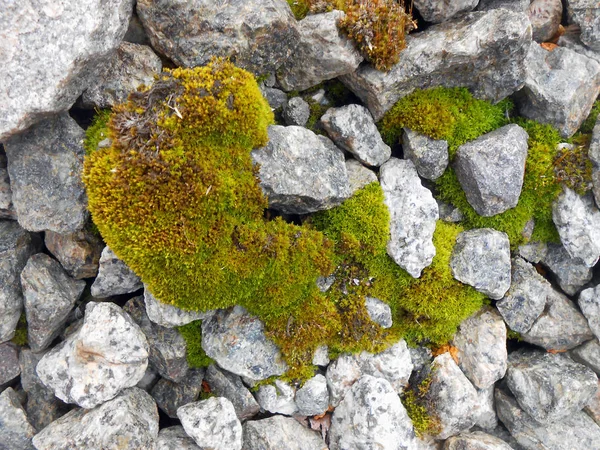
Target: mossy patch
<point x="418" y="408"/>
<point x="97" y="131"/>
<point x="20" y="338"/>
<point x="196" y="356"/>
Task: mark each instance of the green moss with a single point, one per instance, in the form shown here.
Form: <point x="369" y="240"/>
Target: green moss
<point x="97" y="131"/>
<point x="588" y="125"/>
<point x="300" y="8"/>
<point x="196" y="356"/>
<point x="418" y="408"/>
<point x="573" y="168"/>
<point x="20" y="338"/>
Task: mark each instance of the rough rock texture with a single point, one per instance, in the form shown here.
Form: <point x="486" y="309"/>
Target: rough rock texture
<point x="278" y="432"/>
<point x="49" y="295"/>
<point x="7" y="209"/>
<point x="594" y="155"/>
<point x="379" y="312"/>
<point x="492" y="44"/>
<point x="78" y="253"/>
<point x="571" y="273"/>
<point x="490" y="169"/>
<point x="513" y="5"/>
<point x="16" y="246"/>
<point x="449" y="213"/>
<point x="477" y="440"/>
<point x="549" y="387"/>
<point x="545" y="17"/>
<point x="481" y="258"/>
<point x="131" y="66"/>
<point x="277" y="398"/>
<point x="258" y="35"/>
<point x="573" y="42"/>
<point x="533" y="252"/>
<point x="114" y="277"/>
<point x="589" y="303"/>
<point x="129" y="421"/>
<point x="15" y="430"/>
<point x="437" y="11"/>
<point x="560" y="88"/>
<point x="586" y="14"/>
<point x="296" y="112"/>
<point x="588" y="354"/>
<point x="485" y="413"/>
<point x="321" y="356"/>
<point x="236" y="341"/>
<point x="413" y="212"/>
<point x="323" y="53"/>
<point x="230" y="386"/>
<point x="312" y="398"/>
<point x="107" y="354"/>
<point x="169" y="316"/>
<point x="358" y="175"/>
<point x="45" y="164"/>
<point x="592" y="409"/>
<point x="351" y="127"/>
<point x="175" y="438"/>
<point x="430" y="156"/>
<point x="301" y="172"/>
<point x="481" y="344"/>
<point x="275" y="97"/>
<point x="169" y="396"/>
<point x="212" y="424"/>
<point x="371" y="416"/>
<point x="50" y="54"/>
<point x="9" y="363"/>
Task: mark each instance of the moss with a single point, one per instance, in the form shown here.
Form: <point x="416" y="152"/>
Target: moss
<point x="20" y="338"/>
<point x="588" y="124"/>
<point x="300" y="8"/>
<point x="97" y="131"/>
<point x="196" y="356"/>
<point x="418" y="408"/>
<point x="573" y="168"/>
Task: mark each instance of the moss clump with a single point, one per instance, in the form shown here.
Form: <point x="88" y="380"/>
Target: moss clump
<point x="573" y="168"/>
<point x="97" y="131"/>
<point x="20" y="338"/>
<point x="418" y="408"/>
<point x="196" y="356"/>
<point x="588" y="124"/>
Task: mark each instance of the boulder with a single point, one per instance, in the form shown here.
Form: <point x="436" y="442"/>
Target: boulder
<point x="586" y="14"/>
<point x="437" y="11"/>
<point x="278" y="432"/>
<point x="230" y="386"/>
<point x="78" y="253"/>
<point x="430" y="156"/>
<point x="169" y="395"/>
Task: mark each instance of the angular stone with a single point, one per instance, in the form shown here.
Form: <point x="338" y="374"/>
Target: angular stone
<point x="477" y="440"/>
<point x="594" y="155"/>
<point x="321" y="356"/>
<point x="512" y="5"/>
<point x="490" y="169"/>
<point x="437" y="11"/>
<point x="212" y="424"/>
<point x="230" y="386"/>
<point x="358" y="175"/>
<point x="312" y="398"/>
<point x="129" y="421"/>
<point x="586" y="14"/>
<point x="486" y="417"/>
<point x="571" y="273"/>
<point x="592" y="409"/>
<point x="588" y="354"/>
<point x="107" y="354"/>
<point x="545" y="17"/>
<point x="259" y="35"/>
<point x="15" y="430"/>
<point x="45" y="165"/>
<point x="492" y="44"/>
<point x="573" y="42"/>
<point x="276" y="97"/>
<point x="379" y="312"/>
<point x="277" y="398"/>
<point x="296" y="112"/>
<point x="114" y="277"/>
<point x="9" y="363"/>
<point x="430" y="156"/>
<point x="352" y="128"/>
<point x="278" y="432"/>
<point x="341" y="375"/>
<point x="170" y="396"/>
<point x="169" y="316"/>
<point x="7" y="209"/>
<point x="533" y="252"/>
<point x="449" y="213"/>
<point x="78" y="253"/>
<point x="481" y="258"/>
<point x="149" y="379"/>
<point x="175" y="438"/>
<point x="301" y="172"/>
<point x="589" y="303"/>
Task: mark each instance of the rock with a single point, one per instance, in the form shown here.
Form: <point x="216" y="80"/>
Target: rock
<point x="50" y="295"/>
<point x="278" y="432"/>
<point x="560" y="88"/>
<point x="437" y="11"/>
<point x="481" y="344"/>
<point x="212" y="424"/>
<point x="312" y="399"/>
<point x="16" y="246"/>
<point x="545" y="17"/>
<point x="571" y="273"/>
<point x="358" y="175"/>
<point x="371" y="416"/>
<point x="589" y="303"/>
<point x="45" y="165"/>
<point x="379" y="312"/>
<point x="476" y="440"/>
<point x="481" y="258"/>
<point x="533" y="252"/>
<point x="170" y="396"/>
<point x="301" y="172"/>
<point x="9" y="363"/>
<point x="15" y="430"/>
<point x="7" y="209"/>
<point x="167" y="347"/>
<point x="586" y="14"/>
<point x="78" y="253"/>
<point x="573" y="42"/>
<point x="149" y="379"/>
<point x="449" y="213"/>
<point x="321" y="356"/>
<point x="259" y="35"/>
<point x="276" y="97"/>
<point x="352" y="128"/>
<point x="592" y="409"/>
<point x="413" y="212"/>
<point x="277" y="398"/>
<point x="296" y="112"/>
<point x="135" y="31"/>
<point x="230" y="386"/>
<point x="107" y="354"/>
<point x="169" y="316"/>
<point x="594" y="155"/>
<point x="175" y="438"/>
<point x="490" y="169"/>
<point x="549" y="387"/>
<point x="492" y="44"/>
<point x="341" y="375"/>
<point x="114" y="277"/>
<point x="588" y="354"/>
<point x="83" y="34"/>
<point x="129" y="421"/>
<point x="131" y="66"/>
<point x="430" y="156"/>
<point x="486" y="417"/>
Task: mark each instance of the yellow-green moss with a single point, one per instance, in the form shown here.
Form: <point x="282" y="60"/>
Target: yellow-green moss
<point x="196" y="356"/>
<point x="418" y="409"/>
<point x="20" y="338"/>
<point x="97" y="131"/>
<point x="588" y="124"/>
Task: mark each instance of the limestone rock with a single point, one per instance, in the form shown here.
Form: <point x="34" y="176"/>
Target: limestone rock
<point x="430" y="156"/>
<point x="78" y="253"/>
<point x="278" y="432"/>
<point x="437" y="11"/>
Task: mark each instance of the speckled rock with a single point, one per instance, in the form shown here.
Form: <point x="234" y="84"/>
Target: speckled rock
<point x="571" y="273"/>
<point x="312" y="398"/>
<point x="169" y="396"/>
<point x="9" y="363"/>
<point x="278" y="432"/>
<point x="592" y="409"/>
<point x="512" y="5"/>
<point x="7" y="209"/>
<point x="589" y="303"/>
<point x="476" y="440"/>
<point x="169" y="316"/>
<point x="586" y="14"/>
<point x="114" y="277"/>
<point x="358" y="175"/>
<point x="78" y="253"/>
<point x="321" y="356"/>
<point x="533" y="252"/>
<point x="430" y="156"/>
<point x="437" y="11"/>
<point x="379" y="312"/>
<point x="588" y="354"/>
<point x="275" y="97"/>
<point x="277" y="398"/>
<point x="230" y="386"/>
<point x="545" y="17"/>
<point x="485" y="414"/>
<point x="594" y="155"/>
<point x="341" y="375"/>
<point x="175" y="438"/>
<point x="15" y="430"/>
<point x="296" y="112"/>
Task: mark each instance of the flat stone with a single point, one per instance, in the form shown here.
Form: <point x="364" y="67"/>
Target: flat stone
<point x="9" y="362"/>
<point x="379" y="312"/>
<point x="588" y="354"/>
<point x="230" y="386"/>
<point x="175" y="438"/>
<point x="296" y="112"/>
<point x="545" y="17"/>
<point x="114" y="277"/>
<point x="571" y="273"/>
<point x="78" y="253"/>
<point x="169" y="396"/>
<point x="278" y="432"/>
<point x="277" y="398"/>
<point x="312" y="399"/>
<point x="430" y="156"/>
<point x="437" y="11"/>
<point x="477" y="440"/>
<point x="589" y="303"/>
<point x="15" y="430"/>
<point x="358" y="175"/>
<point x="169" y="316"/>
<point x="586" y="14"/>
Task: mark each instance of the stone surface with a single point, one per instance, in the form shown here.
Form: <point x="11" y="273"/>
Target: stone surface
<point x="560" y="88"/>
<point x="437" y="11"/>
<point x="277" y="398"/>
<point x="296" y="112"/>
<point x="449" y="213"/>
<point x="230" y="386"/>
<point x="45" y="165"/>
<point x="493" y="44"/>
<point x="169" y="396"/>
<point x="9" y="363"/>
<point x="278" y="432"/>
<point x="107" y="354"/>
<point x="131" y="66"/>
<point x="114" y="277"/>
<point x="588" y="354"/>
<point x="573" y="41"/>
<point x="379" y="312"/>
<point x="175" y="438"/>
<point x="486" y="417"/>
<point x="7" y="209"/>
<point x="276" y="97"/>
<point x="481" y="258"/>
<point x="312" y="399"/>
<point x="352" y="128"/>
<point x="301" y="172"/>
<point x="571" y="273"/>
<point x="169" y="316"/>
<point x="358" y="175"/>
<point x="477" y="440"/>
<point x="321" y="356"/>
<point x="586" y="14"/>
<point x="50" y="54"/>
<point x="513" y="5"/>
<point x="78" y="253"/>
<point x="49" y="296"/>
<point x="545" y="17"/>
<point x="490" y="169"/>
<point x="594" y="155"/>
<point x="589" y="303"/>
<point x="258" y="35"/>
<point x="413" y="212"/>
<point x="323" y="53"/>
<point x="533" y="252"/>
<point x="212" y="424"/>
<point x="430" y="156"/>
<point x="15" y="430"/>
<point x="129" y="421"/>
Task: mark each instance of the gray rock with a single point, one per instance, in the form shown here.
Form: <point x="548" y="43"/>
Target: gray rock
<point x="481" y="258"/>
<point x="45" y="165"/>
<point x="358" y="175"/>
<point x="589" y="303"/>
<point x="131" y="66"/>
<point x="78" y="253"/>
<point x="481" y="344"/>
<point x="296" y="112"/>
<point x="170" y="396"/>
<point x="430" y="156"/>
<point x="533" y="252"/>
<point x="149" y="379"/>
<point x="15" y="430"/>
<point x="594" y="155"/>
<point x="325" y="283"/>
<point x="301" y="172"/>
<point x="321" y="356"/>
<point x="135" y="31"/>
<point x="230" y="386"/>
<point x="588" y="354"/>
<point x="212" y="424"/>
<point x="129" y="421"/>
<point x="549" y="387"/>
<point x="323" y="53"/>
<point x="107" y="354"/>
<point x="379" y="312"/>
<point x="114" y="277"/>
<point x="351" y="127"/>
<point x="586" y="14"/>
<point x="371" y="416"/>
<point x="236" y="341"/>
<point x="7" y="209"/>
<point x="560" y="88"/>
<point x="259" y="35"/>
<point x="341" y="375"/>
<point x="175" y="438"/>
<point x="276" y="97"/>
<point x="421" y="358"/>
<point x="592" y="409"/>
<point x="169" y="316"/>
<point x="16" y="246"/>
<point x="490" y="169"/>
<point x="512" y="5"/>
<point x="477" y="440"/>
<point x="277" y="398"/>
<point x="446" y="55"/>
<point x="571" y="273"/>
<point x="278" y="432"/>
<point x="413" y="212"/>
<point x="50" y="294"/>
<point x="486" y="417"/>
<point x="573" y="41"/>
<point x="167" y="346"/>
<point x="312" y="398"/>
<point x="449" y="213"/>
<point x="437" y="11"/>
<point x="83" y="33"/>
<point x="9" y="363"/>
<point x="545" y="17"/>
